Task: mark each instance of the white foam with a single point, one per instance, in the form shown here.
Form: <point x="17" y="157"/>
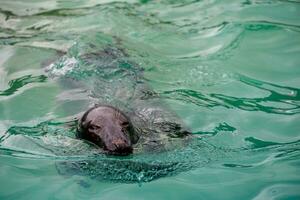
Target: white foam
<point x="63" y="67"/>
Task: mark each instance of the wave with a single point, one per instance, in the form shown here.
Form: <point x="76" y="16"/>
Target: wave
<point x="286" y="99"/>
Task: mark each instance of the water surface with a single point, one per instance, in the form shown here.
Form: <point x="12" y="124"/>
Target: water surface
<point x="228" y="69"/>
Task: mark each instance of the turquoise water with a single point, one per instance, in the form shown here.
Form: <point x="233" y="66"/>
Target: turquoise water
<point x="228" y="69"/>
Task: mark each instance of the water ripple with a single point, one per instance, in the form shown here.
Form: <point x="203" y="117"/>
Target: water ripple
<point x="199" y="53"/>
<point x="286" y="100"/>
<point x="18" y="83"/>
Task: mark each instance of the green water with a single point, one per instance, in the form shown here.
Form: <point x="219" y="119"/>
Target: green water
<point x="229" y="69"/>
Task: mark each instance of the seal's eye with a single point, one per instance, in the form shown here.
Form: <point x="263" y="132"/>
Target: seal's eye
<point x="125" y="124"/>
<point x="94" y="127"/>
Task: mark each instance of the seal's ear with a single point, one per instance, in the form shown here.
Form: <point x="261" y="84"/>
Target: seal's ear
<point x="135" y="138"/>
<point x="81" y="128"/>
<point x="82" y="123"/>
<point x="96" y="105"/>
<point x="134" y="134"/>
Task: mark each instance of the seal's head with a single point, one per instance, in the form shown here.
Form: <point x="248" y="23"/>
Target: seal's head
<point x="108" y="128"/>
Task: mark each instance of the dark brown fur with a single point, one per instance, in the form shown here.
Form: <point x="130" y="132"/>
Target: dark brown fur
<point x="108" y="128"/>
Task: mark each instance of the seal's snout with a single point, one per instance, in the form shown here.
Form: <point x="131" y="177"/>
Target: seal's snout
<point x="120" y="144"/>
<point x="121" y="147"/>
<point x="115" y="140"/>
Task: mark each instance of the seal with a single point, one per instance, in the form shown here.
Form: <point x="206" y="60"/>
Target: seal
<point x="107" y="75"/>
<point x="108" y="128"/>
<point x="130" y="121"/>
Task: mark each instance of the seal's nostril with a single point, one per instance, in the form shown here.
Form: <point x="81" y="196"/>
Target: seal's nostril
<point x="119" y="142"/>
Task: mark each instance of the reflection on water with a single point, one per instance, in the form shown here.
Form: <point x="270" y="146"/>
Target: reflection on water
<point x="228" y="70"/>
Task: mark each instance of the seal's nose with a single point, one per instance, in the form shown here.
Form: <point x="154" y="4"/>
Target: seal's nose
<point x="121" y="147"/>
